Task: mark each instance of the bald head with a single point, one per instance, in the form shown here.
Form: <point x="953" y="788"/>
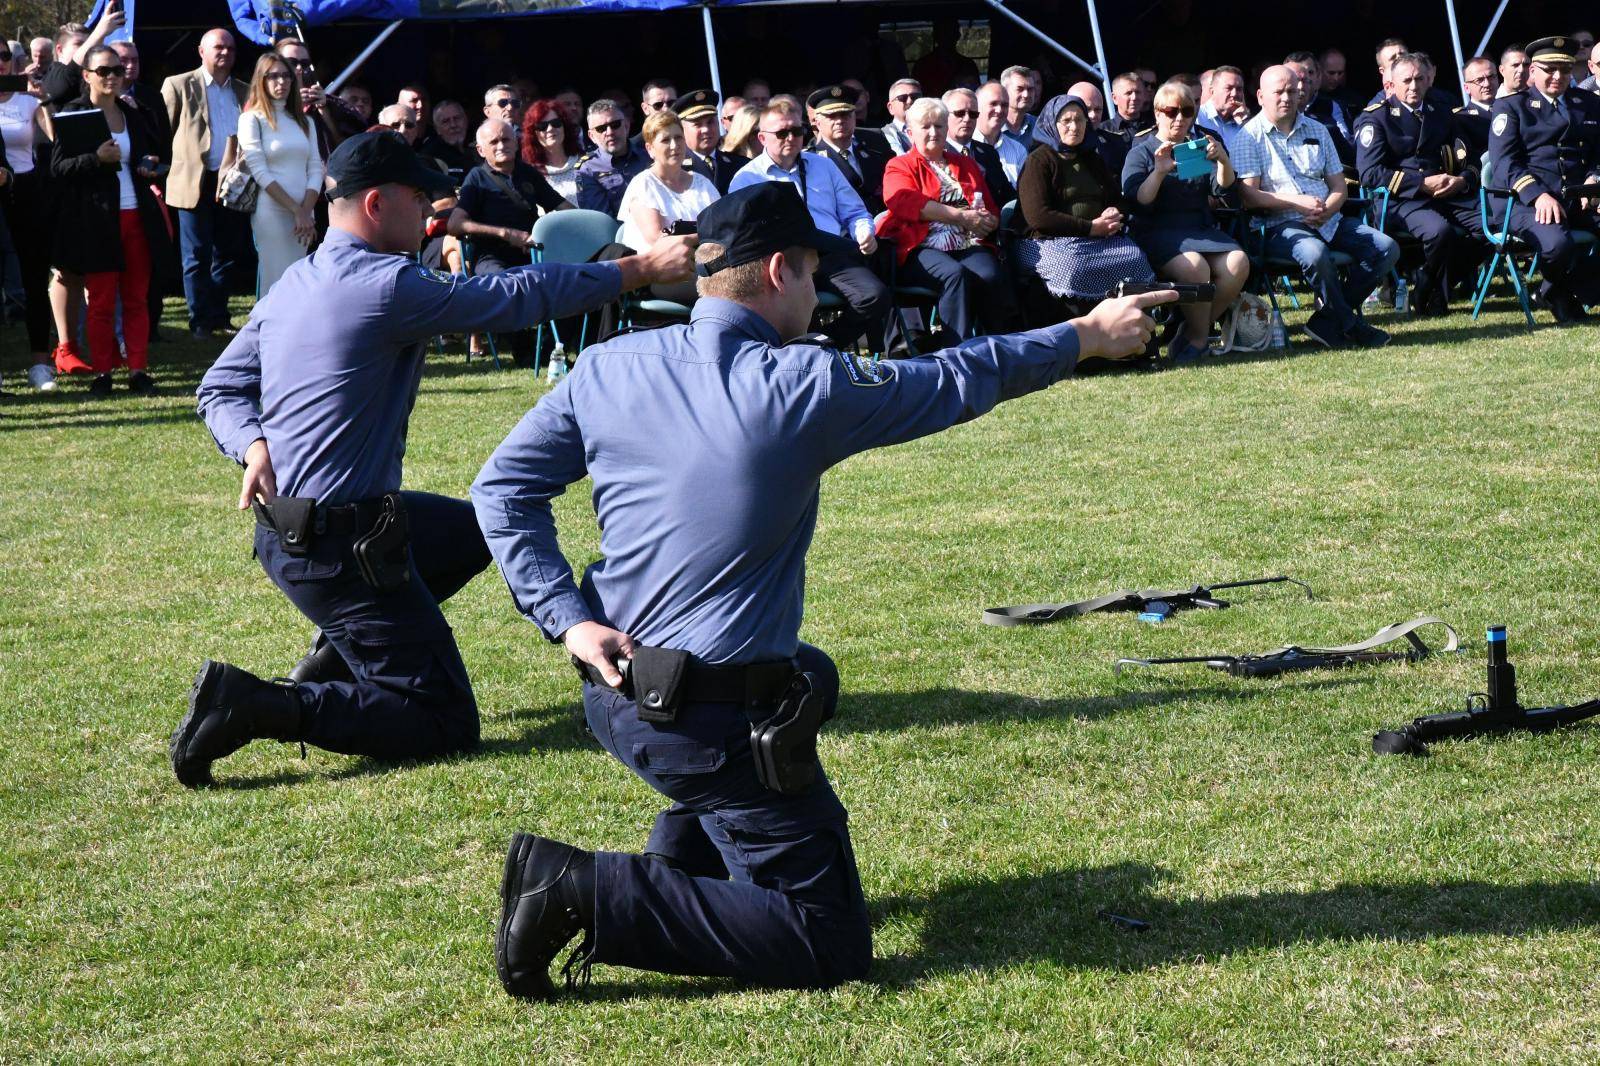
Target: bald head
<point x="497" y="143"/>
<point x="402" y="120"/>
<point x="1089" y="93"/>
<point x="1277" y="94"/>
<point x="217" y="53"/>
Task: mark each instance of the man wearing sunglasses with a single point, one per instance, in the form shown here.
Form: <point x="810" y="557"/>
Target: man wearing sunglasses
<point x="902" y="94"/>
<point x="836" y="209"/>
<point x="658" y="95"/>
<point x="960" y="138"/>
<point x="604" y="173"/>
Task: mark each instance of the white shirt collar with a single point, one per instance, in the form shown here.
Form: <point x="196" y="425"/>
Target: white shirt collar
<point x="205" y="75"/>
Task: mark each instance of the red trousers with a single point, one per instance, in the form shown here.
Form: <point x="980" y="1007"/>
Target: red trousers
<point x="132" y="283"/>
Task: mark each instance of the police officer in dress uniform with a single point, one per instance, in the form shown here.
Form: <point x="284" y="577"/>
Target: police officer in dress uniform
<point x="702" y="129"/>
<point x="312" y="397"/>
<point x="1472" y="127"/>
<point x="749" y="873"/>
<point x="1545" y="141"/>
<point x="1409" y="147"/>
<point x="860" y="158"/>
<point x="604" y="173"/>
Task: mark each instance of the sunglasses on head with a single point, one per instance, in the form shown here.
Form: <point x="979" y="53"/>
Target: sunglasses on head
<point x="607" y="127"/>
<point x="1176" y="112"/>
<point x="785" y="133"/>
<point x="110" y="72"/>
<point x="963" y="114"/>
<point x="549" y="124"/>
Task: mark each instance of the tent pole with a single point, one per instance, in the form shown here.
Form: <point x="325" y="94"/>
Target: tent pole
<point x="1455" y="40"/>
<point x="1049" y="43"/>
<point x="1100" y="50"/>
<point x="366" y="54"/>
<point x="711" y="53"/>
<point x="1494" y="22"/>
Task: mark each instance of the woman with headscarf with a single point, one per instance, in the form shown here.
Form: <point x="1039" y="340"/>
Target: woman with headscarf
<point x="1072" y="206"/>
<point x="1172" y="219"/>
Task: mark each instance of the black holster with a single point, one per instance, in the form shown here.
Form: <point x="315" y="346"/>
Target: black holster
<point x="657" y="676"/>
<point x="784" y="743"/>
<point x="383" y="553"/>
<point x="294" y="518"/>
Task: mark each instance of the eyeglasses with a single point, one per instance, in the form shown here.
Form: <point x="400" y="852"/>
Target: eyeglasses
<point x="298" y="64"/>
<point x="659" y="105"/>
<point x="785" y="133"/>
<point x="509" y="102"/>
<point x="903" y="98"/>
<point x="110" y="72"/>
<point x="1175" y="112"/>
<point x="963" y="114"/>
<point x="607" y="127"/>
<point x="549" y="124"/>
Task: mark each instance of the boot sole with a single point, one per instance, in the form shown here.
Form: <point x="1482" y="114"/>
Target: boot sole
<point x="205" y="685"/>
<point x="510" y="890"/>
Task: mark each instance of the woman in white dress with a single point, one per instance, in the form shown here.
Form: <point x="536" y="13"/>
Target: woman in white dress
<point x="663" y="196"/>
<point x="280" y="148"/>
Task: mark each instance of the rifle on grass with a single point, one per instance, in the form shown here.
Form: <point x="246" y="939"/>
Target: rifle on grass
<point x="1153" y="605"/>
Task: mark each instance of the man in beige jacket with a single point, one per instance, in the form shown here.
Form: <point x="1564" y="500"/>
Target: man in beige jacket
<point x="203" y="109"/>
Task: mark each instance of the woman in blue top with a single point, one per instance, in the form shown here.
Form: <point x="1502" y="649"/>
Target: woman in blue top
<point x="1172" y="218"/>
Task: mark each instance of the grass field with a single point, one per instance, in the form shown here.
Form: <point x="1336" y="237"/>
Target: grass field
<point x="1309" y="902"/>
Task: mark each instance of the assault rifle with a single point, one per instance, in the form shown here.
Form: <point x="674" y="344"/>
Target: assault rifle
<point x="1292" y="657"/>
<point x="1486" y="713"/>
<point x="1153" y="605"/>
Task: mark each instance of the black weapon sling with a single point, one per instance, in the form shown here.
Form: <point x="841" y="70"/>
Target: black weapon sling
<point x="1293" y="657"/>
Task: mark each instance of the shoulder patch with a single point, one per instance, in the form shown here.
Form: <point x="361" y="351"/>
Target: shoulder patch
<point x="862" y="372"/>
<point x="1369" y="133"/>
<point x="1501" y="121"/>
<point x="435" y="275"/>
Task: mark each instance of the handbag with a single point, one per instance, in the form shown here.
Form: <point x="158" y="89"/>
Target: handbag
<point x="1247" y="325"/>
<point x="236" y="189"/>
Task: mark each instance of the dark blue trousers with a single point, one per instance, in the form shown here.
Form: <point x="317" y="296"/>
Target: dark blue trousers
<point x="411" y="698"/>
<point x="973" y="287"/>
<point x="1434" y="223"/>
<point x="736" y="880"/>
<point x="1567" y="269"/>
<point x="210" y="239"/>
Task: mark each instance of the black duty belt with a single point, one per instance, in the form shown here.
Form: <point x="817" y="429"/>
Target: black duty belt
<point x="284" y="515"/>
<point x="751" y="684"/>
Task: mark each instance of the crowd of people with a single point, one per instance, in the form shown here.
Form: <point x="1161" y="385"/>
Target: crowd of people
<point x="1009" y="208"/>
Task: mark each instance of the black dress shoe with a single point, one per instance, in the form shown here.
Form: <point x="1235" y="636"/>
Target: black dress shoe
<point x="201" y="333"/>
<point x="546" y="899"/>
<point x="322" y="663"/>
<point x="101" y="385"/>
<point x="228" y="708"/>
<point x="141" y="383"/>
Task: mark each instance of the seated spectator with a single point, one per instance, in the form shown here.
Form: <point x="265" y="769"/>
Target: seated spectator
<point x="500" y="200"/>
<point x="1071" y="205"/>
<point x="279" y="147"/>
<point x="730" y="107"/>
<point x="658" y="94"/>
<point x="940" y="216"/>
<point x="1287" y="166"/>
<point x="664" y="195"/>
<point x="415" y="96"/>
<point x="398" y="118"/>
<point x="701" y="132"/>
<point x="859" y="159"/>
<point x="503" y="103"/>
<point x="604" y="173"/>
<point x="108" y="226"/>
<point x="448" y="141"/>
<point x="550" y="146"/>
<point x="1022" y="94"/>
<point x="838" y="211"/>
<point x="1172" y="220"/>
<point x="359" y="97"/>
<point x="1513" y="71"/>
<point x="741" y="138"/>
<point x="1225" y="113"/>
<point x="902" y="94"/>
<point x="571" y="104"/>
<point x="961" y="105"/>
<point x="1322" y="108"/>
<point x="992" y="107"/>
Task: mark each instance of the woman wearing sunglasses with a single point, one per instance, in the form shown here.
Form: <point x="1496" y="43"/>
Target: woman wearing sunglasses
<point x="1173" y="221"/>
<point x="280" y="148"/>
<point x="550" y="146"/>
<point x="108" y="221"/>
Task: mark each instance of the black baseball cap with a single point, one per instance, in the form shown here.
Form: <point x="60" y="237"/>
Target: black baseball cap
<point x="378" y="157"/>
<point x="757" y="221"/>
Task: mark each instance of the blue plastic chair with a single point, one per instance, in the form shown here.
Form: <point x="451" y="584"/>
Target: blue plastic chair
<point x="569" y="236"/>
<point x="466" y="272"/>
<point x="1505" y="248"/>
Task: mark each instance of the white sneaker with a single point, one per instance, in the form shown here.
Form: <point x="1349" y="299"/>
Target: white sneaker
<point x="42" y="377"/>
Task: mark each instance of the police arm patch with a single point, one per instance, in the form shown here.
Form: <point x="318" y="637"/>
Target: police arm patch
<point x="1501" y="121"/>
<point x="435" y="275"/>
<point x="863" y="372"/>
<point x="1368" y="133"/>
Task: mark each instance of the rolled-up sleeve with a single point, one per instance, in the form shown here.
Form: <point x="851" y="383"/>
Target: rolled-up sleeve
<point x="230" y="393"/>
<point x="511" y="497"/>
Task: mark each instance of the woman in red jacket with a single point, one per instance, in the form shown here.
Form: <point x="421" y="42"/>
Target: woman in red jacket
<point x="940" y="216"/>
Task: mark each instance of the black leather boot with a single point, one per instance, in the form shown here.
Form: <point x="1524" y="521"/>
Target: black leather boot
<point x="228" y="708"/>
<point x="546" y="899"/>
<point x="322" y="663"/>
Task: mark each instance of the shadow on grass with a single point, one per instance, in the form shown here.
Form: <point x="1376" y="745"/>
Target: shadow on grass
<point x="988" y="923"/>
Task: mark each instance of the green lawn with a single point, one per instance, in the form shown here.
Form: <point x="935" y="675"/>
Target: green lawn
<point x="1309" y="901"/>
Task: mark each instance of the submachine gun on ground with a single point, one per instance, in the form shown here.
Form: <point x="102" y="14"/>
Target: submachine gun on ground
<point x="1153" y="605"/>
<point x="1486" y="713"/>
<point x="1292" y="657"/>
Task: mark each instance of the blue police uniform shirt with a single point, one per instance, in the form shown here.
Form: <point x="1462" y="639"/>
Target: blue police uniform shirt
<point x="835" y="207"/>
<point x="1397" y="147"/>
<point x="707" y="443"/>
<point x="328" y="366"/>
<point x="602" y="179"/>
<point x="1536" y="147"/>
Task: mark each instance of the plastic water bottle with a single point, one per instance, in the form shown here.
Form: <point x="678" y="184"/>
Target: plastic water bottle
<point x="558" y="367"/>
<point x="977" y="201"/>
<point x="1279" y="337"/>
<point x="1371" y="302"/>
<point x="1402" y="297"/>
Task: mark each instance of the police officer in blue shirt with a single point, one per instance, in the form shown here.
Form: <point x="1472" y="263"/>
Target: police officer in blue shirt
<point x="749" y="872"/>
<point x="604" y="173"/>
<point x="1411" y="148"/>
<point x="312" y="397"/>
<point x="1543" y="142"/>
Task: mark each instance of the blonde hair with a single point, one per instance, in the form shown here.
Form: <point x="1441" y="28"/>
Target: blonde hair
<point x="261" y="101"/>
<point x="659" y="121"/>
<point x="741" y="136"/>
<point x="926" y="109"/>
<point x="1173" y="92"/>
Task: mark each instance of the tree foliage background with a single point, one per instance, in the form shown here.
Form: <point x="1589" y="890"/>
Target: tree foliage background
<point x="22" y="19"/>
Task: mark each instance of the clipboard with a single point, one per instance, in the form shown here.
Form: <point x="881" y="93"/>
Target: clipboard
<point x="81" y="132"/>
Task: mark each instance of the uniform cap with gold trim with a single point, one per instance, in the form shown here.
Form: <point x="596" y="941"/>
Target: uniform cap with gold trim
<point x="698" y="104"/>
<point x="832" y="100"/>
<point x="1552" y="50"/>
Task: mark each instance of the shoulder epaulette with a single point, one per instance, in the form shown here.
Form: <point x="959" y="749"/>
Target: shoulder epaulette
<point x="585" y="158"/>
<point x="1373" y="107"/>
<point x="1145" y="133"/>
<point x="1457" y="110"/>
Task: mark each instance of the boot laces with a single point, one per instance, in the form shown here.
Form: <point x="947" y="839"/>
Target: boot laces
<point x="576" y="968"/>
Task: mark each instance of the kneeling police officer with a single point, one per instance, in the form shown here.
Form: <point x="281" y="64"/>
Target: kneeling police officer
<point x="707" y="443"/>
<point x="313" y="397"/>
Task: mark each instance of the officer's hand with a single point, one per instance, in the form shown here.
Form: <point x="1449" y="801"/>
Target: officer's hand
<point x="1547" y="210"/>
<point x="259" y="480"/>
<point x="1119" y="329"/>
<point x="599" y="646"/>
<point x="109" y="153"/>
<point x="669" y="259"/>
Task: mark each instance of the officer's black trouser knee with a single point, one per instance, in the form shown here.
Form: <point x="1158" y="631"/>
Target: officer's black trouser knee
<point x="411" y="698"/>
<point x="1436" y="224"/>
<point x="867" y="303"/>
<point x="756" y="885"/>
<point x="1567" y="269"/>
